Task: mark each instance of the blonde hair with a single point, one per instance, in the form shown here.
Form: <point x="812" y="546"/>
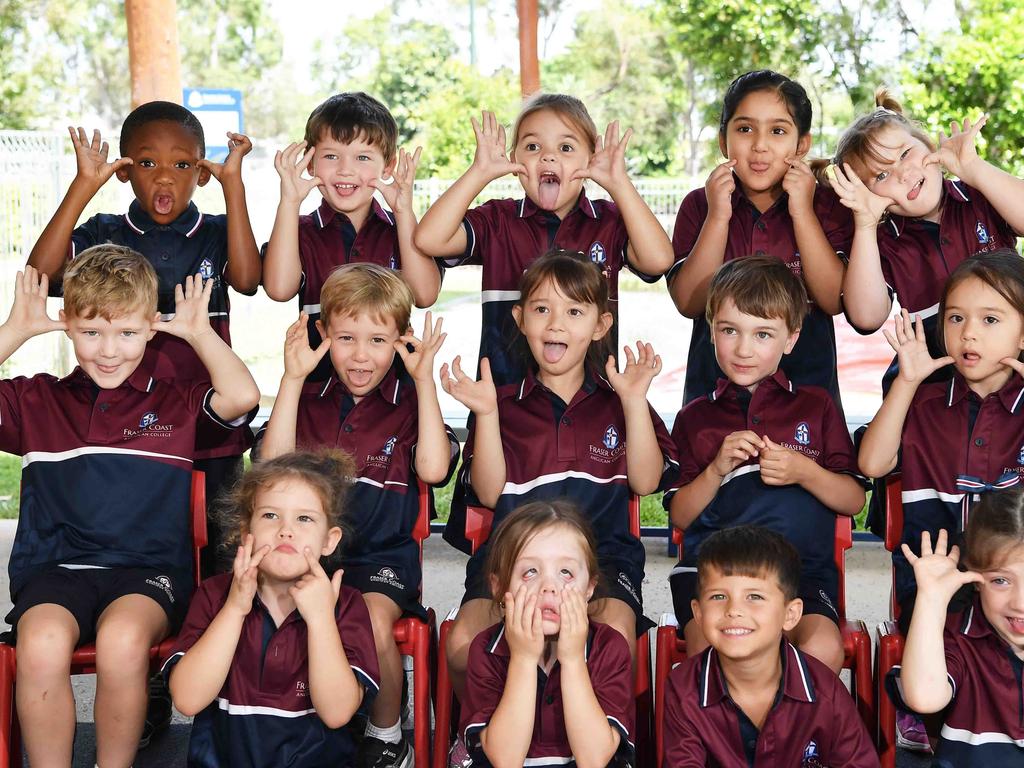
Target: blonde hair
<point x="377" y="291"/>
<point x="569" y="108"/>
<point x="110" y="281"/>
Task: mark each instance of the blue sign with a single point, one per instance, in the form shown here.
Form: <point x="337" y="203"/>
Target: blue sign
<point x="219" y="110"/>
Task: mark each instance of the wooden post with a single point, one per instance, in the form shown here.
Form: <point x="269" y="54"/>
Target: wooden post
<point x="529" y="67"/>
<point x="153" y="58"/>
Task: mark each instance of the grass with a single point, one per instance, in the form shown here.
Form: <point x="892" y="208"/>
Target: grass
<point x="10" y="482"/>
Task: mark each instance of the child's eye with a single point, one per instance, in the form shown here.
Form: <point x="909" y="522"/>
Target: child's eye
<point x="755" y="596"/>
<point x="532" y="146"/>
<point x="991" y="319"/>
<point x="881" y="176"/>
<point x="183" y="165"/>
<point x="763" y="335"/>
<point x="727" y="331"/>
<point x="954" y="318"/>
<point x="364" y="158"/>
<point x="128" y="334"/>
<point x="716" y="596"/>
<point x="269" y="515"/>
<point x="743" y="129"/>
<point x="344" y="337"/>
<point x="306" y="519"/>
<point x="379" y="340"/>
<point x="529" y="573"/>
<point x="146" y="164"/>
<point x="576" y="312"/>
<point x="91" y="334"/>
<point x="904" y="154"/>
<point x="566" y="573"/>
<point x="540" y="309"/>
<point x="779" y="131"/>
<point x="329" y="156"/>
<point x="567" y="148"/>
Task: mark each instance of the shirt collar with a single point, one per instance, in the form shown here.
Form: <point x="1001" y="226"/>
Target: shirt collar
<point x="1011" y="395"/>
<point x="777" y="380"/>
<point x="141" y="379"/>
<point x="952" y="190"/>
<point x="389" y="389"/>
<point x="497" y="645"/>
<point x="973" y="623"/>
<point x="584" y="204"/>
<point x="187" y="223"/>
<point x="796" y="677"/>
<point x="591" y="382"/>
<point x="324" y="214"/>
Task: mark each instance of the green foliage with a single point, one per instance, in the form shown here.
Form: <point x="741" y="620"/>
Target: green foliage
<point x="10" y="484"/>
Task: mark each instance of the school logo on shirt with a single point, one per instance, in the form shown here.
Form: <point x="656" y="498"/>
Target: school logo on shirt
<point x="148" y="419"/>
<point x="803" y="434"/>
<point x="982" y="234"/>
<point x="611" y="438"/>
<point x="149" y="426"/>
<point x="1020" y="456"/>
<point x="389" y="446"/>
<point x="164" y="583"/>
<point x="811" y="758"/>
<point x="597" y="253"/>
<point x="393" y="262"/>
<point x="206" y="269"/>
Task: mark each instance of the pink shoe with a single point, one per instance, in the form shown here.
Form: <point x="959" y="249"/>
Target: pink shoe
<point x="911" y="734"/>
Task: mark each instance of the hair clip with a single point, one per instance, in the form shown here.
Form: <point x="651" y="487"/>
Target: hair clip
<point x="886" y="111"/>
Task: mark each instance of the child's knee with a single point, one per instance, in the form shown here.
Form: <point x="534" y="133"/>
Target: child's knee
<point x="820" y="637"/>
<point x="45" y="647"/>
<point x="124" y="645"/>
<point x="382" y="622"/>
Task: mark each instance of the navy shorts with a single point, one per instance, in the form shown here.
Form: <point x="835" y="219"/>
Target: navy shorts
<point x="86" y="593"/>
<point x="393" y="581"/>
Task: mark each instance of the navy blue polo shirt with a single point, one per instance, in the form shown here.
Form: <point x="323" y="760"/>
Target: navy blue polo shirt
<point x="803" y="419"/>
<point x="813" y="722"/>
<point x="380" y="432"/>
<point x="984" y="721"/>
<point x="611" y="675"/>
<point x="813" y="359"/>
<point x="264" y="716"/>
<point x="106" y="473"/>
<point x="507" y="236"/>
<point x="938" y="446"/>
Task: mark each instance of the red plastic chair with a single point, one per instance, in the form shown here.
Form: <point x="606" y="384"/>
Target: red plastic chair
<point x="83" y="660"/>
<point x="670" y="649"/>
<point x="478" y="528"/>
<point x="890" y="641"/>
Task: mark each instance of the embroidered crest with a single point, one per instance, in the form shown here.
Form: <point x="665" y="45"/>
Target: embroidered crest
<point x="611" y="437"/>
<point x="803" y="434"/>
<point x="151" y="418"/>
<point x="597" y="253"/>
<point x="206" y="269"/>
<point x="389" y="446"/>
<point x="982" y="233"/>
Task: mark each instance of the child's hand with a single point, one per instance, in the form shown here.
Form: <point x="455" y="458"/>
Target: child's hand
<point x="607" y="165"/>
<point x="958" y="152"/>
<point x="780" y="465"/>
<point x="290" y="164"/>
<point x="915" y="362"/>
<point x="736" y="449"/>
<point x="719" y="188"/>
<point x="300" y="359"/>
<point x="480" y="397"/>
<point x="420" y="362"/>
<point x="867" y="207"/>
<point x="491" y="159"/>
<point x="314" y="594"/>
<point x="573" y="625"/>
<point x="398" y="194"/>
<point x="28" y="316"/>
<point x="91" y="158"/>
<point x="799" y="183"/>
<point x="936" y="571"/>
<point x="191" y="310"/>
<point x="244" y="570"/>
<point x="636" y="379"/>
<point x="524" y="630"/>
<point x="239" y="146"/>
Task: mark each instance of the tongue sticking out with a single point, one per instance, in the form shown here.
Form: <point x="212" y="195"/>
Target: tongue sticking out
<point x="553" y="352"/>
<point x="912" y="195"/>
<point x="548" y="192"/>
<point x="162" y="204"/>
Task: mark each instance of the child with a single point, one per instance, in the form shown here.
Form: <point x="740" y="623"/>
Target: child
<point x="953" y="439"/>
<point x="102" y="548"/>
<point x="388" y="418"/>
<point x="555" y="147"/>
<point x="971" y="670"/>
<point x="547" y="685"/>
<point x="563" y="431"/>
<point x="276" y="656"/>
<point x="763" y="200"/>
<point x="349" y="149"/>
<point x="753" y="698"/>
<point x="760" y="451"/>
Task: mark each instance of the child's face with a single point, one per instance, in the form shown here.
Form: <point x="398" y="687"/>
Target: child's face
<point x="109" y="351"/>
<point x="743" y="616"/>
<point x="1002" y="600"/>
<point x="362" y="349"/>
<point x="164" y="172"/>
<point x="759" y="137"/>
<point x="559" y="330"/>
<point x="980" y="329"/>
<point x="289" y="517"/>
<point x="749" y="348"/>
<point x="553" y="559"/>
<point x="346" y="171"/>
<point x="552" y="149"/>
<point x="915" y="189"/>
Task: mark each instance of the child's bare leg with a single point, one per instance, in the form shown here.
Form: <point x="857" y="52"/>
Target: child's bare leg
<point x="387" y="706"/>
<point x="474" y="617"/>
<point x="125" y="631"/>
<point x="47" y="635"/>
<point x="618" y="615"/>
<point x="696" y="643"/>
<point x="819" y="636"/>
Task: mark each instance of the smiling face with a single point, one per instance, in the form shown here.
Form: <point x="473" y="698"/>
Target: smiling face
<point x="980" y="328"/>
<point x="901" y="175"/>
<point x="346" y="171"/>
<point x="109" y="351"/>
<point x="749" y="348"/>
<point x="362" y="349"/>
<point x="1002" y="599"/>
<point x="552" y="149"/>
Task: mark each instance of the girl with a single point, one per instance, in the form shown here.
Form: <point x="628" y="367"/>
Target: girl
<point x="971" y="671"/>
<point x="953" y="439"/>
<point x="763" y="200"/>
<point x="275" y="657"/>
<point x="555" y="147"/>
<point x="562" y="431"/>
<point x="523" y="672"/>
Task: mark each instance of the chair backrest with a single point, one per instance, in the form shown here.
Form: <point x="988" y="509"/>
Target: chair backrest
<point x="893" y="530"/>
<point x="421" y="530"/>
<point x="197" y="510"/>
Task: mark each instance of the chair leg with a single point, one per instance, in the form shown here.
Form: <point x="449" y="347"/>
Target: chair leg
<point x="644" y="701"/>
<point x="421" y="664"/>
<point x="666" y="638"/>
<point x="890" y="652"/>
<point x="10" y="746"/>
<point x="443" y="702"/>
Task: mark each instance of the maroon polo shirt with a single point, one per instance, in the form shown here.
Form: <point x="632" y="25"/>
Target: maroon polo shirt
<point x="611" y="675"/>
<point x="813" y="718"/>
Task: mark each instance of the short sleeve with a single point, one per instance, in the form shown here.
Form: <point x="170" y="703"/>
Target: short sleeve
<point x="670" y="462"/>
<point x="683" y="746"/>
<point x="453" y="457"/>
<point x="480" y="224"/>
<point x="689" y="465"/>
<point x="485" y="683"/>
<point x="10" y="414"/>
<point x="357" y="638"/>
<point x="836" y="220"/>
<point x="838" y="454"/>
<point x="851" y="745"/>
<point x="689" y="221"/>
<point x="611" y="675"/>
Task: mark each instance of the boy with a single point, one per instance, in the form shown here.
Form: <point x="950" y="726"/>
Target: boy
<point x="349" y="149"/>
<point x="752" y="698"/>
<point x="102" y="547"/>
<point x="760" y="451"/>
<point x="385" y="413"/>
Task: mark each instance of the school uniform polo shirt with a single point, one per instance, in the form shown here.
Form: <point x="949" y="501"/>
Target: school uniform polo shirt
<point x="264" y="714"/>
<point x="106" y="473"/>
<point x="611" y="675"/>
<point x="803" y="419"/>
<point x="984" y="722"/>
<point x="507" y="236"/>
<point x="939" y="446"/>
<point x="813" y="359"/>
<point x="813" y="722"/>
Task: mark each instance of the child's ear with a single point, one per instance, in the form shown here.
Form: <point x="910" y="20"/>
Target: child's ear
<point x="517" y="315"/>
<point x="794" y="612"/>
<point x="153" y="325"/>
<point x="803" y="146"/>
<point x="389" y="170"/>
<point x="321" y="330"/>
<point x="604" y="324"/>
<point x="790" y="342"/>
<point x="493" y="580"/>
<point x="64" y="319"/>
<point x="122" y="173"/>
<point x="204" y="175"/>
<point x="333" y="539"/>
<point x="695" y="608"/>
<point x="590" y="587"/>
<point x="722" y="146"/>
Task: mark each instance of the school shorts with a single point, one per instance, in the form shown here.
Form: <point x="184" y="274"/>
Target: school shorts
<point x="392" y="581"/>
